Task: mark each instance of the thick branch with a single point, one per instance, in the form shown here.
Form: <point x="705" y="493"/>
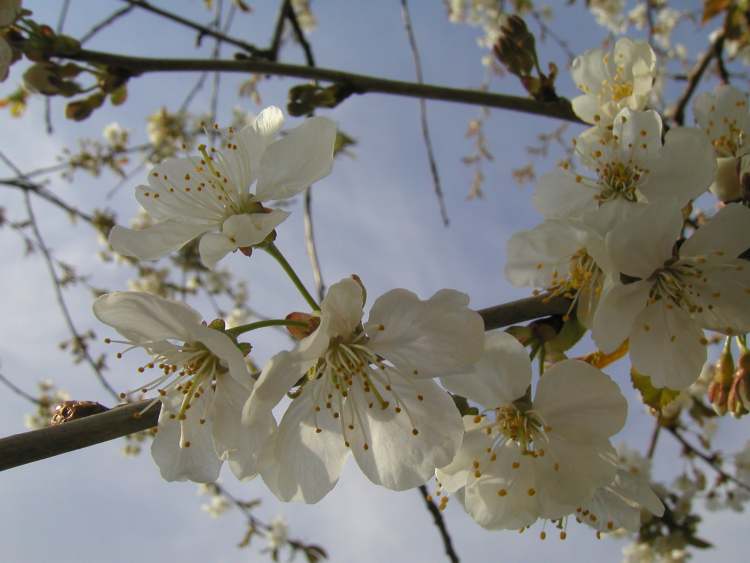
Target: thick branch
<point x="359" y="83"/>
<point x="40" y="444"/>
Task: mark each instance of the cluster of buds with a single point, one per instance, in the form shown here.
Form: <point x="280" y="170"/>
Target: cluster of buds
<point x="738" y="400"/>
<point x="516" y="50"/>
<point x="730" y="384"/>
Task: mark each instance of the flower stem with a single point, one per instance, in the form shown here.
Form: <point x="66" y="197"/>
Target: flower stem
<point x="236" y="331"/>
<point x="276" y="253"/>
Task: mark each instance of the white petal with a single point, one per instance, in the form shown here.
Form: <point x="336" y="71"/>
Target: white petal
<point x="226" y="415"/>
<point x="638" y="136"/>
<point x="502" y="374"/>
<point x="227" y="351"/>
<point x="397" y="457"/>
<point x="294" y="162"/>
<point x="558" y="194"/>
<point x="684" y="170"/>
<point x="641" y="245"/>
<point x="726" y="234"/>
<point x="142" y="317"/>
<point x="309" y="448"/>
<point x="252" y="228"/>
<point x="616" y="312"/>
<point x="279" y="374"/>
<point x="473" y="449"/>
<point x="342" y="307"/>
<point x="439" y="336"/>
<point x="197" y="462"/>
<point x="722" y="293"/>
<point x="580" y="402"/>
<point x="636" y="489"/>
<point x="667" y="345"/>
<point x="213" y="247"/>
<point x="156" y="241"/>
<point x="269" y="121"/>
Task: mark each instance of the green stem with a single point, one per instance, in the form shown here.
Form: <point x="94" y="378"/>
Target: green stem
<point x="236" y="331"/>
<point x="276" y="253"/>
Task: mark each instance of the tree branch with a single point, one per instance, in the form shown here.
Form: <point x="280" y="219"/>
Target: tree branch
<point x="48" y="442"/>
<point x="359" y="83"/>
<point x="439" y="524"/>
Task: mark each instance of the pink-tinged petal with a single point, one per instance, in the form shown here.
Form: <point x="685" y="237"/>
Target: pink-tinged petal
<point x="722" y="295"/>
<point x="580" y="402"/>
<point x="309" y="450"/>
<point x="617" y="309"/>
<point x="502" y="374"/>
<point x="439" y="336"/>
<point x="684" y="170"/>
<point x="726" y="235"/>
<point x="401" y="450"/>
<point x="177" y="460"/>
<point x="292" y="163"/>
<point x="342" y="308"/>
<point x="641" y="245"/>
<point x="145" y="318"/>
<point x="154" y="242"/>
<point x="667" y="345"/>
<point x="561" y="194"/>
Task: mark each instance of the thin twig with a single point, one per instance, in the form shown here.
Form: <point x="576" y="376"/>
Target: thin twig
<point x="278" y="31"/>
<point x="654" y="439"/>
<point x="423" y="113"/>
<point x="63" y="15"/>
<point x="40" y="444"/>
<point x="105" y="23"/>
<point x="359" y="83"/>
<point x="45" y="194"/>
<point x="202" y="29"/>
<point x="216" y="54"/>
<point x="299" y="34"/>
<point x="61" y="300"/>
<point x="439" y="524"/>
<point x="678" y="112"/>
<point x="710" y="459"/>
<point x="18" y="391"/>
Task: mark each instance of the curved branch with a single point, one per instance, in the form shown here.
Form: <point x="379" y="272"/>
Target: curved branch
<point x="120" y="421"/>
<point x="358" y="83"/>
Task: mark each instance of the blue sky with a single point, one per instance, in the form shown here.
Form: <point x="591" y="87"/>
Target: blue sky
<point x="375" y="216"/>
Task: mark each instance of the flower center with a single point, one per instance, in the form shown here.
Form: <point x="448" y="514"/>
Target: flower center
<point x="583" y="274"/>
<point x="731" y="143"/>
<point x="674" y="283"/>
<point x="522" y="427"/>
<point x="619" y="180"/>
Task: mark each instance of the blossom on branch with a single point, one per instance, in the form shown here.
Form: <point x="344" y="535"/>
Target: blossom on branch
<point x="203" y="385"/>
<point x="367" y="389"/>
<point x="209" y="196"/>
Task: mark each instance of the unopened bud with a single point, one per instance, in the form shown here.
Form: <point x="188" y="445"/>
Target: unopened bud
<point x="245" y="348"/>
<point x="300" y="332"/>
<point x="516" y="48"/>
<point x="721" y="384"/>
<point x="739" y="397"/>
<point x="217" y="324"/>
<point x="41" y="78"/>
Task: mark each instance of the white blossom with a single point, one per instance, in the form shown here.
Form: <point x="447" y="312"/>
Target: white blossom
<point x="520" y="459"/>
<point x="367" y="389"/>
<point x="203" y="384"/>
<point x="609" y="14"/>
<point x="278" y="533"/>
<point x="675" y="295"/>
<point x="613" y="80"/>
<point x="632" y="169"/>
<point x="210" y="197"/>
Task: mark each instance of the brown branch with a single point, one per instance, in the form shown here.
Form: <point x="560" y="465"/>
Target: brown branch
<point x="278" y="31"/>
<point x="40" y="444"/>
<point x="694" y="77"/>
<point x="42" y="192"/>
<point x="202" y="29"/>
<point x="358" y="83"/>
<point x="711" y="459"/>
<point x="439" y="524"/>
<point x="427" y="139"/>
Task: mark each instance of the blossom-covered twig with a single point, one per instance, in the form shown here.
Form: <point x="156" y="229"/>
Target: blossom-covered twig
<point x="358" y="83"/>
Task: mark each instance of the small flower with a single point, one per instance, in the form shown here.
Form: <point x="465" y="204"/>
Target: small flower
<point x="675" y="295"/>
<point x="723" y="116"/>
<point x="613" y="80"/>
<point x="203" y="385"/>
<point x="562" y="257"/>
<point x="633" y="169"/>
<point x="209" y="197"/>
<point x="367" y="389"/>
<point x="278" y="533"/>
<point x="520" y="459"/>
<point x="116" y="135"/>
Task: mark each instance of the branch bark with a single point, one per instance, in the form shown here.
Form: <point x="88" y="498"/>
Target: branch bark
<point x="359" y="83"/>
<point x="120" y="421"/>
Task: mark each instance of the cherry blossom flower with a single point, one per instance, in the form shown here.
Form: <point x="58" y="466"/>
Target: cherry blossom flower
<point x="367" y="389"/>
<point x="520" y="459"/>
<point x="562" y="257"/>
<point x="209" y="197"/>
<point x="674" y="296"/>
<point x="724" y="118"/>
<point x="632" y="169"/>
<point x="203" y="384"/>
<point x="613" y="80"/>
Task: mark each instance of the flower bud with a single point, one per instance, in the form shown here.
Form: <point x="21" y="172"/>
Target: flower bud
<point x="718" y="389"/>
<point x="516" y="48"/>
<point x="300" y="332"/>
<point x="739" y="398"/>
<point x="41" y="78"/>
<point x="727" y="185"/>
